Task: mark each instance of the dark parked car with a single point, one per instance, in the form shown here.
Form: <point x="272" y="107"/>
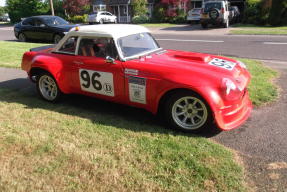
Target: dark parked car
<point x="44" y="27"/>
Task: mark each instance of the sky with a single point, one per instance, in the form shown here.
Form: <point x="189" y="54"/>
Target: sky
<point x="2" y="3"/>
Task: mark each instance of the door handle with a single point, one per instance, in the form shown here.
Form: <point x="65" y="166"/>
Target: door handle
<point x="78" y="62"/>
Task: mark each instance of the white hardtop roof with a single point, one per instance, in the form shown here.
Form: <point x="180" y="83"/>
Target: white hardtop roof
<point x="111" y="30"/>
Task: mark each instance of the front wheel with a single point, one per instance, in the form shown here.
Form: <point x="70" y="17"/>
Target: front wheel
<point x="47" y="87"/>
<point x="188" y="112"/>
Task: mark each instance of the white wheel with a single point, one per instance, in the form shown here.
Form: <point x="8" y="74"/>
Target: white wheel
<point x="188" y="112"/>
<point x="101" y="21"/>
<point x="47" y="87"/>
<point x="22" y="37"/>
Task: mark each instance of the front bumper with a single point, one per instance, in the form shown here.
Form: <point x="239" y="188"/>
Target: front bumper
<point x="232" y="116"/>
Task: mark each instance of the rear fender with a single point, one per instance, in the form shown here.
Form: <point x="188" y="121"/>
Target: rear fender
<point x="52" y="65"/>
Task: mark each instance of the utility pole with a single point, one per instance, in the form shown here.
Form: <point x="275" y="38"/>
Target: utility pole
<point x="52" y="7"/>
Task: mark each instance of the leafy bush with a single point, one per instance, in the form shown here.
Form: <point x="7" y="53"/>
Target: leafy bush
<point x="179" y="18"/>
<point x="252" y="14"/>
<point x="140" y="19"/>
<point x="278" y="12"/>
<point x="159" y="14"/>
<point x="78" y="18"/>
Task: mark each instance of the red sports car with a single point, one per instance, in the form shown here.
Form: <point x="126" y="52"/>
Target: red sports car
<point x="123" y="63"/>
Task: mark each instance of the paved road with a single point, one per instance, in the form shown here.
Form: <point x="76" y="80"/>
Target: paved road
<point x="214" y="40"/>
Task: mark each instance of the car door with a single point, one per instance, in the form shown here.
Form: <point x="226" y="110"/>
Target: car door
<point x="39" y="29"/>
<point x="95" y="75"/>
<point x="27" y="28"/>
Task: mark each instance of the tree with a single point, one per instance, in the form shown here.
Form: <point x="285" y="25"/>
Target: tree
<point x="139" y="7"/>
<point x="18" y="9"/>
<point x="76" y="7"/>
<point x="2" y="11"/>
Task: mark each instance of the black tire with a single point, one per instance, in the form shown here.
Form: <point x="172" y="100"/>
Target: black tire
<point x="204" y="25"/>
<point x="22" y="37"/>
<point x="91" y="23"/>
<point x="197" y="116"/>
<point x="43" y="87"/>
<point x="57" y="38"/>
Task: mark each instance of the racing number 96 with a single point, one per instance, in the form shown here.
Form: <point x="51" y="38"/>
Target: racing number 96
<point x="91" y="80"/>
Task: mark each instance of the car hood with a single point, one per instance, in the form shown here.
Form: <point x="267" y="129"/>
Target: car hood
<point x="180" y="63"/>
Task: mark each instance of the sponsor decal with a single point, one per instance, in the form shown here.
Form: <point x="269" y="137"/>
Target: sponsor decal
<point x="131" y="71"/>
<point x="222" y="63"/>
<point x="137" y="89"/>
<point x="97" y="82"/>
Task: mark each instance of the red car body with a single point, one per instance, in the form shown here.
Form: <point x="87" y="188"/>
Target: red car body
<point x="163" y="72"/>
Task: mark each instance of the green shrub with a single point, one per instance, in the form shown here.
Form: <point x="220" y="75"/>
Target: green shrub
<point x="140" y="19"/>
<point x="179" y="18"/>
<point x="278" y="13"/>
<point x="159" y="14"/>
<point x="256" y="13"/>
<point x="78" y="18"/>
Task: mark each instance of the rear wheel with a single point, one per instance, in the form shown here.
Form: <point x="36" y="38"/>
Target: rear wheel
<point x="47" y="87"/>
<point x="188" y="112"/>
<point x="22" y="37"/>
<point x="57" y="38"/>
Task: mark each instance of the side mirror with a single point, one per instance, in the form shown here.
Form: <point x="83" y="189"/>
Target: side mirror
<point x="110" y="60"/>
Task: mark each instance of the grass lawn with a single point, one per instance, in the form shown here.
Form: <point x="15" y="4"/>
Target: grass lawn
<point x="84" y="144"/>
<point x="160" y="25"/>
<point x="11" y="52"/>
<point x="258" y="30"/>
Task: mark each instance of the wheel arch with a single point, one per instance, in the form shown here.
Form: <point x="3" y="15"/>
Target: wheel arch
<point x="209" y="96"/>
<point x="36" y="71"/>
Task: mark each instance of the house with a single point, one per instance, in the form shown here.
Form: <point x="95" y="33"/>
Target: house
<point x="121" y="8"/>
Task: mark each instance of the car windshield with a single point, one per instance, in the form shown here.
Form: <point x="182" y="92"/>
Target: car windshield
<point x="55" y="21"/>
<point x="209" y="6"/>
<point x="137" y="44"/>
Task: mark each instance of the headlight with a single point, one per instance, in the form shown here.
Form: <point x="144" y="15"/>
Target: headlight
<point x="65" y="33"/>
<point x="228" y="85"/>
<point x="241" y="64"/>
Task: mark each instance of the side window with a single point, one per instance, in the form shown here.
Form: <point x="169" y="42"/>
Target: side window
<point x="98" y="47"/>
<point x="38" y="22"/>
<point x="28" y="21"/>
<point x="69" y="46"/>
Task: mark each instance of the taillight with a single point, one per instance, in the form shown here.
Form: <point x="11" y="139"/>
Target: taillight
<point x="222" y="10"/>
